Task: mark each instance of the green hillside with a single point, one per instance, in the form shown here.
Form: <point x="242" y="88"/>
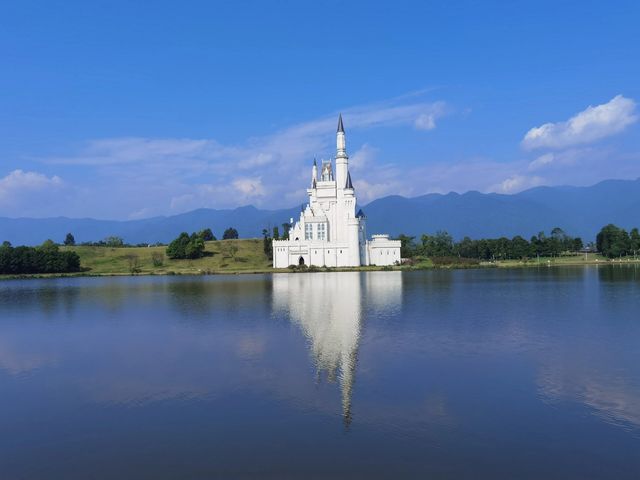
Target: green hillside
<point x="220" y="256"/>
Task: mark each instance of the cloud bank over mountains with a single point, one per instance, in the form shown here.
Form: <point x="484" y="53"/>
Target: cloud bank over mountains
<point x="136" y="177"/>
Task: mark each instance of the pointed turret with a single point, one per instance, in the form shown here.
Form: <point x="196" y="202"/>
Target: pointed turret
<point x="349" y="184"/>
<point x="314" y="173"/>
<point x="342" y="159"/>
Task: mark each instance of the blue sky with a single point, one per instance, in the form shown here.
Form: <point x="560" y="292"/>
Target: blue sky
<point x="133" y="109"/>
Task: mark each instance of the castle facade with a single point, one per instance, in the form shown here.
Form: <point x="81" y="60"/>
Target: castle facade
<point x="329" y="232"/>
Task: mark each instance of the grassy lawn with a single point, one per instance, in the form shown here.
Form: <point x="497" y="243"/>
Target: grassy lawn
<point x="219" y="258"/>
<point x="247" y="256"/>
<point x="590" y="259"/>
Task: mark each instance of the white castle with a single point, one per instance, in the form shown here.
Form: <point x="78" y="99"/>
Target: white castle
<point x="329" y="232"/>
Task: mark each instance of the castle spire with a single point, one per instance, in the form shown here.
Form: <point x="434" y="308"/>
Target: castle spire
<point x="342" y="159"/>
<point x="341" y="143"/>
<point x="314" y="173"/>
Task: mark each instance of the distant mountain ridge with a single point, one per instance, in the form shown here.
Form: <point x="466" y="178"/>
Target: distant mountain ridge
<point x="580" y="211"/>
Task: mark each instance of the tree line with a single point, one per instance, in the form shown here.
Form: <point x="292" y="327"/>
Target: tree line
<point x="47" y="258"/>
<point x="611" y="241"/>
<point x="442" y="245"/>
<point x="117" y="242"/>
<point x="192" y="246"/>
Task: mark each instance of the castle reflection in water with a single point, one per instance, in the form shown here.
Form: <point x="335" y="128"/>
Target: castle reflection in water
<point x="330" y="310"/>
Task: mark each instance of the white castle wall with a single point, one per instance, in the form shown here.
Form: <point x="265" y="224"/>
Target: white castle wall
<point x="383" y="251"/>
<point x="332" y="203"/>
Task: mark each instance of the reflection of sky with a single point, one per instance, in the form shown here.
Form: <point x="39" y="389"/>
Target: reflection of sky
<point x="456" y="361"/>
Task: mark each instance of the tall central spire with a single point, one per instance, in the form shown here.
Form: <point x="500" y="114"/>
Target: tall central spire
<point x="342" y="159"/>
<point x="341" y="141"/>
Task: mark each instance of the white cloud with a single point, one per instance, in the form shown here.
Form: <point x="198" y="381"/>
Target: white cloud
<point x="590" y="125"/>
<point x="542" y="161"/>
<point x="135" y="177"/>
<point x="517" y="183"/>
<point x="19" y="180"/>
<point x="19" y="183"/>
<point x="249" y="187"/>
<point x="368" y="191"/>
<point x="153" y="176"/>
<point x="425" y="122"/>
<point x="22" y="193"/>
<point x="362" y="157"/>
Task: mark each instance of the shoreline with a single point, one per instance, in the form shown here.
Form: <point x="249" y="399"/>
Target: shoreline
<point x="272" y="271"/>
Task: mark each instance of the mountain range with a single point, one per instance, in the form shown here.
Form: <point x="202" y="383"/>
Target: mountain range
<point x="579" y="211"/>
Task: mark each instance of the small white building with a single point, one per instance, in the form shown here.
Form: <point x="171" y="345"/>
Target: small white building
<point x="329" y="232"/>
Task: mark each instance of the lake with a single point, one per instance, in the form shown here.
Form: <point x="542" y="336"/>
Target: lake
<point x="488" y="373"/>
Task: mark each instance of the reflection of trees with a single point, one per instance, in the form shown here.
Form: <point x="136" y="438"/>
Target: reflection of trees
<point x="199" y="297"/>
<point x="619" y="273"/>
<point x="328" y="308"/>
<point x="192" y="297"/>
<point x="33" y="295"/>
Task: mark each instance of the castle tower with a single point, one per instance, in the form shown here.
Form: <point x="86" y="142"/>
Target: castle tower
<point x="314" y="174"/>
<point x="329" y="232"/>
<point x="342" y="159"/>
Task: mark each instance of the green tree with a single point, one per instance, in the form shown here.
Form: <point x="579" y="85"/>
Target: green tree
<point x="634" y="237"/>
<point x="195" y="247"/>
<point x="467" y="248"/>
<point x="207" y="235"/>
<point x="558" y="242"/>
<point x="577" y="244"/>
<point x="157" y="259"/>
<point x="519" y="248"/>
<point x="438" y="245"/>
<point x="177" y="248"/>
<point x="114" y="242"/>
<point x="267" y="244"/>
<point x="285" y="230"/>
<point x="613" y="241"/>
<point x="230" y="233"/>
<point x="69" y="241"/>
<point x="43" y="259"/>
<point x="407" y="246"/>
<point x="6" y="257"/>
<point x="186" y="246"/>
<point x="276" y="233"/>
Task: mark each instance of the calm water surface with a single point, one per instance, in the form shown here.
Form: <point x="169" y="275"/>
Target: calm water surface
<point x="444" y="374"/>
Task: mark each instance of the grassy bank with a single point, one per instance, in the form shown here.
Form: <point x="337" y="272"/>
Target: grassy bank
<point x="569" y="260"/>
<point x="228" y="256"/>
<point x="247" y="256"/>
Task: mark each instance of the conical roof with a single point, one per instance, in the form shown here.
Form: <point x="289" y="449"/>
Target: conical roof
<point x="340" y="126"/>
<point x="349" y="184"/>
